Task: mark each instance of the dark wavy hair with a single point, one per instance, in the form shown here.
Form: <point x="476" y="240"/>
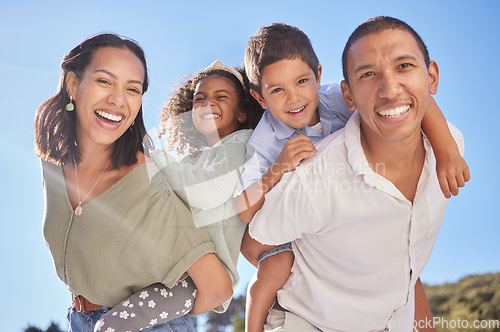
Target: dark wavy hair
<point x="55" y="128"/>
<point x="273" y="43"/>
<point x="378" y="24"/>
<point x="176" y="118"/>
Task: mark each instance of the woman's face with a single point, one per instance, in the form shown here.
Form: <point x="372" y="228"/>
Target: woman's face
<point x="108" y="96"/>
<point x="216" y="108"/>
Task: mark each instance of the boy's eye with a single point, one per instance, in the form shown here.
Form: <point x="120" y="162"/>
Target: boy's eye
<point x="277" y="90"/>
<point x="303" y="80"/>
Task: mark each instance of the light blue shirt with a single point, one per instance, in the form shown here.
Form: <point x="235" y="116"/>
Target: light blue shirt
<point x="270" y="135"/>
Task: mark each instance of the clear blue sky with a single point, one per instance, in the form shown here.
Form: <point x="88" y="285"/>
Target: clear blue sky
<point x="181" y="38"/>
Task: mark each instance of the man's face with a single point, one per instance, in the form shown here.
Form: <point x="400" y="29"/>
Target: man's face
<point x="290" y="91"/>
<point x="389" y="84"/>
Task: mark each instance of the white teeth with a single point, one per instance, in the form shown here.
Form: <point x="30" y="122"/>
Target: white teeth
<point x="211" y="116"/>
<point x="298" y="110"/>
<point x="395" y="112"/>
<point x="112" y="117"/>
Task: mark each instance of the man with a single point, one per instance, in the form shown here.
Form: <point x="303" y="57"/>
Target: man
<point x="364" y="213"/>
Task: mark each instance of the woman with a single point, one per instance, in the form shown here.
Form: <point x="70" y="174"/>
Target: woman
<point x="112" y="223"/>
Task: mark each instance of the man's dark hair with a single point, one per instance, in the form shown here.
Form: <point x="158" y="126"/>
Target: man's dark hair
<point x="378" y="24"/>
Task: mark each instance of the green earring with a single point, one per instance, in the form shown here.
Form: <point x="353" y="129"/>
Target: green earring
<point x="70" y="106"/>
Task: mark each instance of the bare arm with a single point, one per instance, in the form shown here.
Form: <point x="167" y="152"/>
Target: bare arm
<point x="251" y="200"/>
<point x="423" y="315"/>
<point x="212" y="282"/>
<point x="452" y="170"/>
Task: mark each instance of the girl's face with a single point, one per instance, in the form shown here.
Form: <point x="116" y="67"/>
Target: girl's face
<point x="108" y="96"/>
<point x="216" y="108"/>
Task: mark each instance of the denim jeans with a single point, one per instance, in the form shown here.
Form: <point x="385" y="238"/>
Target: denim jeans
<point x="85" y="322"/>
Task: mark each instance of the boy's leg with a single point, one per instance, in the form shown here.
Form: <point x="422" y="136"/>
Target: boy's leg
<point x="271" y="275"/>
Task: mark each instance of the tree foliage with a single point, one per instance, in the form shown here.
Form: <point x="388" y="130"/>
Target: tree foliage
<point x="53" y="327"/>
<point x="232" y="320"/>
<point x="473" y="298"/>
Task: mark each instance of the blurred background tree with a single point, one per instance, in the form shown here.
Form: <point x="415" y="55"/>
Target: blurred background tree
<point x="473" y="298"/>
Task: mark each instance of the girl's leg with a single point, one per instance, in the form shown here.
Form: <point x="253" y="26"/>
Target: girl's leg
<point x="274" y="268"/>
<point x="151" y="306"/>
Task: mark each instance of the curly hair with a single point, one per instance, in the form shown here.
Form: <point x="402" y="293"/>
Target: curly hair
<point x="176" y="117"/>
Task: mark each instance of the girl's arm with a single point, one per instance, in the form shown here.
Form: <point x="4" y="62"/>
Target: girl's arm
<point x="452" y="170"/>
<point x="212" y="281"/>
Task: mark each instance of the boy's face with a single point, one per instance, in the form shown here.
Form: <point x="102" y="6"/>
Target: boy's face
<point x="389" y="84"/>
<point x="290" y="91"/>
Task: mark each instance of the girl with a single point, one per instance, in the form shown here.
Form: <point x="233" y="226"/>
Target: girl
<point x="111" y="223"/>
<point x="208" y="116"/>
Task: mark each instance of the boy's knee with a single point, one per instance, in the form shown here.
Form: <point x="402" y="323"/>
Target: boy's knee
<point x="276" y="269"/>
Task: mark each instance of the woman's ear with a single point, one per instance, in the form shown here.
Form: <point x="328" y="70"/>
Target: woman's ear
<point x="346" y="93"/>
<point x="259" y="98"/>
<point x="71" y="83"/>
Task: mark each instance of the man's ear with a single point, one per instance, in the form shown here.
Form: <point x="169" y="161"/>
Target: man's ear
<point x="71" y="83"/>
<point x="346" y="92"/>
<point x="318" y="78"/>
<point x="433" y="77"/>
<point x="259" y="98"/>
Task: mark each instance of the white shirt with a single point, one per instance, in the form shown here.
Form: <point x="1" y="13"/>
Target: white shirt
<point x="359" y="244"/>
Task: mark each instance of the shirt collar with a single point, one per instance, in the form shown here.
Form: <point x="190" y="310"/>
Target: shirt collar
<point x="357" y="159"/>
<point x="284" y="131"/>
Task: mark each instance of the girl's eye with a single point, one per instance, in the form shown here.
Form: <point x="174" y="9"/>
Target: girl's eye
<point x="222" y="97"/>
<point x="135" y="90"/>
<point x="197" y="99"/>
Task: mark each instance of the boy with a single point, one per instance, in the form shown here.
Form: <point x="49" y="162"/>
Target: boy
<point x="284" y="75"/>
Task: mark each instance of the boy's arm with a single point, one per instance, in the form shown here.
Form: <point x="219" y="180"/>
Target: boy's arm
<point x="423" y="316"/>
<point x="452" y="170"/>
<point x="251" y="199"/>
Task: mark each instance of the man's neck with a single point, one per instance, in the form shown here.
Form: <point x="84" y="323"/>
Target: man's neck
<point x="399" y="162"/>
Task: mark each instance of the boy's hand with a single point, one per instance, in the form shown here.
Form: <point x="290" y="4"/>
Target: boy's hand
<point x="295" y="150"/>
<point x="452" y="173"/>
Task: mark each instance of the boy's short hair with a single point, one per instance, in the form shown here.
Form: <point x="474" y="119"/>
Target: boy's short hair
<point x="273" y="43"/>
<point x="378" y="24"/>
